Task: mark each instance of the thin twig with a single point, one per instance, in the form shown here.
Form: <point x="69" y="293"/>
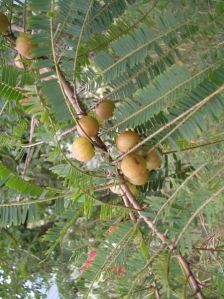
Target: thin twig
<point x="182" y="117"/>
<point x="208" y="249"/>
<point x="156" y="290"/>
<point x="193" y="147"/>
<point x="185" y="265"/>
<point x="24" y="15"/>
<point x="4" y="106"/>
<point x="30" y="149"/>
<point x="211" y="198"/>
<point x="74" y="101"/>
<point x="193" y="282"/>
<point x="10" y="19"/>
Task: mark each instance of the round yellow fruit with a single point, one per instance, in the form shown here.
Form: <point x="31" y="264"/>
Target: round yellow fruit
<point x="153" y="160"/>
<point x="82" y="149"/>
<point x="133" y="165"/>
<point x="18" y="62"/>
<point x="24" y="45"/>
<point x="105" y="109"/>
<point x="88" y="126"/>
<point x="140" y="180"/>
<point x="126" y="140"/>
<point x="4" y="23"/>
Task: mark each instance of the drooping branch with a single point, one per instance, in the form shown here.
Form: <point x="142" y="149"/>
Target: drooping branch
<point x="129" y="200"/>
<point x="71" y="96"/>
<point x="30" y="149"/>
<point x="163" y="237"/>
<point x="74" y="101"/>
<point x="192" y="280"/>
<point x="156" y="291"/>
<point x="195" y="146"/>
<point x="183" y="117"/>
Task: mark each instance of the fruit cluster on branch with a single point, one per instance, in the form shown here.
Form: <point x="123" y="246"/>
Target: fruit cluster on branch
<point x="135" y="167"/>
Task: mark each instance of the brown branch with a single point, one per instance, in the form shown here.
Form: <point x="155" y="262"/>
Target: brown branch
<point x="127" y="196"/>
<point x="208" y="249"/>
<point x="182" y="118"/>
<point x="185" y="265"/>
<point x="193" y="282"/>
<point x="156" y="291"/>
<point x="136" y="205"/>
<point x="30" y="149"/>
<point x="71" y="96"/>
<point x="193" y="147"/>
<point x="74" y="101"/>
<point x="127" y="204"/>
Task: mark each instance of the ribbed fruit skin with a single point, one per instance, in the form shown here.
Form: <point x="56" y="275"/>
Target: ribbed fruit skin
<point x="24" y="45"/>
<point x="133" y="165"/>
<point x="82" y="149"/>
<point x="88" y="124"/>
<point x="140" y="180"/>
<point x="127" y="140"/>
<point x="105" y="109"/>
<point x="153" y="160"/>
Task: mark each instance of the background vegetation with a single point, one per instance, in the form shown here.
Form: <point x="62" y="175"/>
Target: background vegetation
<point x="162" y="63"/>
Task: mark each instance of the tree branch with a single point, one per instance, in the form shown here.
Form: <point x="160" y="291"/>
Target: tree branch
<point x="128" y="199"/>
<point x="193" y="282"/>
<point x="71" y="96"/>
<point x="74" y="101"/>
<point x="183" y="262"/>
<point x="156" y="291"/>
<point x="30" y="149"/>
<point x="182" y="118"/>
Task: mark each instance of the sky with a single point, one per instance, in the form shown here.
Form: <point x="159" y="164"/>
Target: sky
<point x="53" y="292"/>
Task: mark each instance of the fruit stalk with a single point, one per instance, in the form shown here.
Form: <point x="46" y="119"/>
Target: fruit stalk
<point x="129" y="200"/>
<point x="74" y="101"/>
<point x="190" y="276"/>
<point x="182" y="261"/>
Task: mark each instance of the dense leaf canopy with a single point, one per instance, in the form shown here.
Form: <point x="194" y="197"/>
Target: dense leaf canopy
<point x="162" y="64"/>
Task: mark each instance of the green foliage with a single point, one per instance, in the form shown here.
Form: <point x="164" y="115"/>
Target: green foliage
<point x="18" y="184"/>
<point x="9" y="83"/>
<point x="162" y="64"/>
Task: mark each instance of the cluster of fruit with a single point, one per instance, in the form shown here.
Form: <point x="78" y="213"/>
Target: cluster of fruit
<point x="24" y="44"/>
<point x="134" y="166"/>
<point x="87" y="127"/>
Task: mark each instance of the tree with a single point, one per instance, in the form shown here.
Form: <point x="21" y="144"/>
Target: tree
<point x="74" y="207"/>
